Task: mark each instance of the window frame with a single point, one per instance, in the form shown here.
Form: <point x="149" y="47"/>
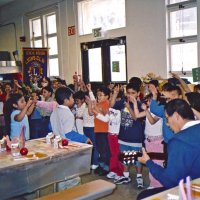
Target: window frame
<point x="182" y="39"/>
<point x="42" y="15"/>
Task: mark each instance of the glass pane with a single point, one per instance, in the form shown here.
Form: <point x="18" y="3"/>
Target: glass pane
<point x="53" y="46"/>
<point x="38" y="43"/>
<point x="95" y="65"/>
<point x="51" y="24"/>
<point x="183" y="22"/>
<point x="53" y="67"/>
<point x="176" y="1"/>
<point x="184" y="56"/>
<point x="107" y="14"/>
<point x="118" y="63"/>
<point x="37" y="27"/>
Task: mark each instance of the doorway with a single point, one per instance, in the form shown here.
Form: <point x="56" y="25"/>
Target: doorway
<point x="104" y="61"/>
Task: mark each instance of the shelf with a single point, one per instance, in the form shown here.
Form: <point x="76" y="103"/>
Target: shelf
<point x="10" y="70"/>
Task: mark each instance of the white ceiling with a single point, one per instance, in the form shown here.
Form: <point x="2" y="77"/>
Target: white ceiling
<point x="4" y="2"/>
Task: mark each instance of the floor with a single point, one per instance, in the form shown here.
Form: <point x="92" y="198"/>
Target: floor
<point x="122" y="192"/>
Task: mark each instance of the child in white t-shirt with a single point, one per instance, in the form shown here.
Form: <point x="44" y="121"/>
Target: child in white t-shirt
<point x="153" y="135"/>
<point x="114" y="119"/>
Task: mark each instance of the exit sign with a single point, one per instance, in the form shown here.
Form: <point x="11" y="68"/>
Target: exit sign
<point x="97" y="32"/>
<point x="71" y="30"/>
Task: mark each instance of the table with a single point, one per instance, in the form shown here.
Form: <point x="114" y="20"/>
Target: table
<point x="174" y="191"/>
<point x="25" y="176"/>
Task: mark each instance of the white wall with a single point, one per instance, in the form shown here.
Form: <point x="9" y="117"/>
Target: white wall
<point x="145" y="32"/>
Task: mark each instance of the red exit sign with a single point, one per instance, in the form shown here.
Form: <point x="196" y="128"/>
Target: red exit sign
<point x="71" y="30"/>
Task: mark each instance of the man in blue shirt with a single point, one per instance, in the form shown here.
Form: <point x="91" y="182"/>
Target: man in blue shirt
<point x="183" y="148"/>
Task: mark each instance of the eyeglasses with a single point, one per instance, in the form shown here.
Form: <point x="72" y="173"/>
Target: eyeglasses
<point x="167" y="117"/>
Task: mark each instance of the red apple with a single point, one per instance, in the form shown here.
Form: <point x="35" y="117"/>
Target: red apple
<point x="64" y="142"/>
<point x="23" y="151"/>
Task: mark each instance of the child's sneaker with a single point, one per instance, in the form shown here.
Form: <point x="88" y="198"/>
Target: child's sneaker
<point x="122" y="180"/>
<point x="112" y="175"/>
<point x="150" y="187"/>
<point x="94" y="167"/>
<point x="139" y="182"/>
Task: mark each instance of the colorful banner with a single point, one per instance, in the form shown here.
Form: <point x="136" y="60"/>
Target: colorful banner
<point x="34" y="61"/>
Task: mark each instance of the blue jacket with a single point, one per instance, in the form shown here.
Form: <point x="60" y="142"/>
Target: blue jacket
<point x="159" y="111"/>
<point x="131" y="131"/>
<point x="183" y="158"/>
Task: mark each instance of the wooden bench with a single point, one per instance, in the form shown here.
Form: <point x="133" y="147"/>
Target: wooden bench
<point x="88" y="191"/>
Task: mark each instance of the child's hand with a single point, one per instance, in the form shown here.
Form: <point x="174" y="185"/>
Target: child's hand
<point x="116" y="89"/>
<point x="121" y="87"/>
<point x="30" y="102"/>
<point x="133" y="99"/>
<point x="153" y="89"/>
<point x="144" y="157"/>
<point x="175" y="76"/>
<point x="89" y="87"/>
<point x="127" y="105"/>
<point x="144" y="106"/>
<point x="88" y="100"/>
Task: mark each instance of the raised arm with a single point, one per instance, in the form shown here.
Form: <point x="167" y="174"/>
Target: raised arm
<point x="137" y="113"/>
<point x="196" y="113"/>
<point x="148" y="114"/>
<point x="91" y="94"/>
<point x="182" y="82"/>
<point x="131" y="111"/>
<point x="114" y="96"/>
<point x="19" y="117"/>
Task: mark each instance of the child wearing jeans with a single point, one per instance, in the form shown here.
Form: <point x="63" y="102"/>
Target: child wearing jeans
<point x="101" y="130"/>
<point x="88" y="128"/>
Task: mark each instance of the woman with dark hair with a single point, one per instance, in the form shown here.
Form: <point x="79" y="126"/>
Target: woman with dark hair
<point x="183" y="148"/>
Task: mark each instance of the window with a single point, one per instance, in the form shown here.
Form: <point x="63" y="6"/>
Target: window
<point x="182" y="36"/>
<point x="95" y="65"/>
<point x="183" y="22"/>
<point x="43" y="31"/>
<point x="107" y="14"/>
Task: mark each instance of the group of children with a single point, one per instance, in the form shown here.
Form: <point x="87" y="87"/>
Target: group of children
<point x="110" y="119"/>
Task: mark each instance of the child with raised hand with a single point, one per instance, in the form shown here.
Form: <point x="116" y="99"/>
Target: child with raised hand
<point x="101" y="130"/>
<point x="131" y="134"/>
<point x="79" y="98"/>
<point x="47" y="92"/>
<point x="114" y="119"/>
<point x="153" y="134"/>
<point x="88" y="127"/>
<point x="62" y="119"/>
<point x="19" y="111"/>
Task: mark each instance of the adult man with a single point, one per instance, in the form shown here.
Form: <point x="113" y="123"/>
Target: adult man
<point x="183" y="148"/>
